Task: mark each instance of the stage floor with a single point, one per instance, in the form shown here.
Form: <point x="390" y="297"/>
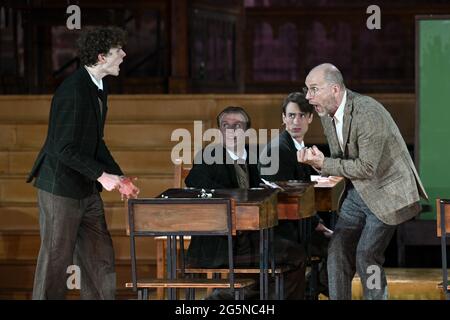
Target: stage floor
<point x="403" y="284"/>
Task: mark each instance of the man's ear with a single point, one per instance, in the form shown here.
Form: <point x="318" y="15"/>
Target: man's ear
<point x="101" y="58"/>
<point x="310" y="118"/>
<point x="336" y="89"/>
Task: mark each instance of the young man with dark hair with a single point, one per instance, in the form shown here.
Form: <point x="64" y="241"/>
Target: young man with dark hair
<point x="296" y="115"/>
<point x="70" y="170"/>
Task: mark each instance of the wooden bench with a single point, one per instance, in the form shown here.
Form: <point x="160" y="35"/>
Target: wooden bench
<point x="145" y="284"/>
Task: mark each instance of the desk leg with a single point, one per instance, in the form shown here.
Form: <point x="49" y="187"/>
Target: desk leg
<point x="210" y="275"/>
<point x="171" y="263"/>
<point x="272" y="250"/>
<point x="160" y="265"/>
<point x="263" y="264"/>
<point x="333" y="219"/>
<point x="444" y="251"/>
<point x="266" y="264"/>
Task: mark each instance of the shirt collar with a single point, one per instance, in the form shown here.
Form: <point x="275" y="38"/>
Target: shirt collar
<point x="298" y="146"/>
<point x="235" y="157"/>
<point x="339" y="115"/>
<point x="99" y="84"/>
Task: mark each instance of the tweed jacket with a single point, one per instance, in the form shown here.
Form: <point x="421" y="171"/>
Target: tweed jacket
<point x="375" y="159"/>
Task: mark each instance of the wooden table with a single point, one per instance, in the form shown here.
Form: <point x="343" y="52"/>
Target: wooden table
<point x="296" y="201"/>
<point x="328" y="192"/>
<point x="328" y="195"/>
<point x="299" y="199"/>
<point x="255" y="210"/>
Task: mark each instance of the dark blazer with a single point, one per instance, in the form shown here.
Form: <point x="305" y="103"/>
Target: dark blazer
<point x="219" y="176"/>
<point x="289" y="168"/>
<point x="74" y="154"/>
<point x="212" y="251"/>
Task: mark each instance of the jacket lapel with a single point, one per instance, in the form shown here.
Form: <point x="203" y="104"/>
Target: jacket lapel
<point x="105" y="107"/>
<point x="231" y="173"/>
<point x="94" y="101"/>
<point x="287" y="139"/>
<point x="332" y="138"/>
<point x="347" y="120"/>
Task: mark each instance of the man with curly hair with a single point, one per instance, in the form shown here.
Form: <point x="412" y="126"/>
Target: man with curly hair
<point x="71" y="169"/>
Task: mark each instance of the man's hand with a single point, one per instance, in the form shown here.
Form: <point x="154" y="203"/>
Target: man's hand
<point x="127" y="189"/>
<point x="109" y="181"/>
<point x="312" y="156"/>
<point x="326" y="232"/>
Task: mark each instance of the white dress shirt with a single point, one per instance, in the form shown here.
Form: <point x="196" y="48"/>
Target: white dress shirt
<point x="235" y="156"/>
<point x="99" y="84"/>
<point x="298" y="146"/>
<point x="338" y="119"/>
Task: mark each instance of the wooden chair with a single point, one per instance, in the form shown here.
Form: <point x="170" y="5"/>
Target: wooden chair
<point x="181" y="217"/>
<point x="180" y="174"/>
<point x="443" y="225"/>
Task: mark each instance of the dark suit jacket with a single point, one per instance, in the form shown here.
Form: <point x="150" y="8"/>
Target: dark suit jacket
<point x="74" y="154"/>
<point x="212" y="251"/>
<point x="289" y="168"/>
<point x="219" y="176"/>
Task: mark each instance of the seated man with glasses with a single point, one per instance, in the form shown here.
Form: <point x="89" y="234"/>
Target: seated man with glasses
<point x="236" y="171"/>
<point x="297" y="115"/>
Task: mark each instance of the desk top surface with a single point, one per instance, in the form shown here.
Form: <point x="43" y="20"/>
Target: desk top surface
<point x="241" y="196"/>
<point x="294" y="187"/>
<point x="328" y="182"/>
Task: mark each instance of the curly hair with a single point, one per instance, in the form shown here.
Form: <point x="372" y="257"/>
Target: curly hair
<point x="99" y="40"/>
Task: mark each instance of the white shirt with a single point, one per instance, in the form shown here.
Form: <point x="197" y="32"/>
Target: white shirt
<point x="235" y="157"/>
<point x="99" y="84"/>
<point x="338" y="119"/>
<point x="298" y="146"/>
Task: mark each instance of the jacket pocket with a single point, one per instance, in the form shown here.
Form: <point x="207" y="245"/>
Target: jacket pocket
<point x="390" y="180"/>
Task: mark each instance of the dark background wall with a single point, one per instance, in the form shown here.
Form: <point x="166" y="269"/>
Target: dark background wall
<point x="251" y="46"/>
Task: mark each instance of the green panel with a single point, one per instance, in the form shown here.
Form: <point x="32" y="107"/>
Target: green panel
<point x="434" y="109"/>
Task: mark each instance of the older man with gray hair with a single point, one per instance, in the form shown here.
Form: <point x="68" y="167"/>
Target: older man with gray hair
<point x="382" y="184"/>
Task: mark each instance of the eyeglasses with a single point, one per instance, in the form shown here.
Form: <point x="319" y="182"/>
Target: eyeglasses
<point x="292" y="116"/>
<point x="236" y="126"/>
<point x="312" y="91"/>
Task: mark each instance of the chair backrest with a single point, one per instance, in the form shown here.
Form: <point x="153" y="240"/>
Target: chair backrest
<point x="443" y="213"/>
<point x="180" y="173"/>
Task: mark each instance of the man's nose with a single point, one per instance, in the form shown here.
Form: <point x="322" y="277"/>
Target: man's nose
<point x="308" y="96"/>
